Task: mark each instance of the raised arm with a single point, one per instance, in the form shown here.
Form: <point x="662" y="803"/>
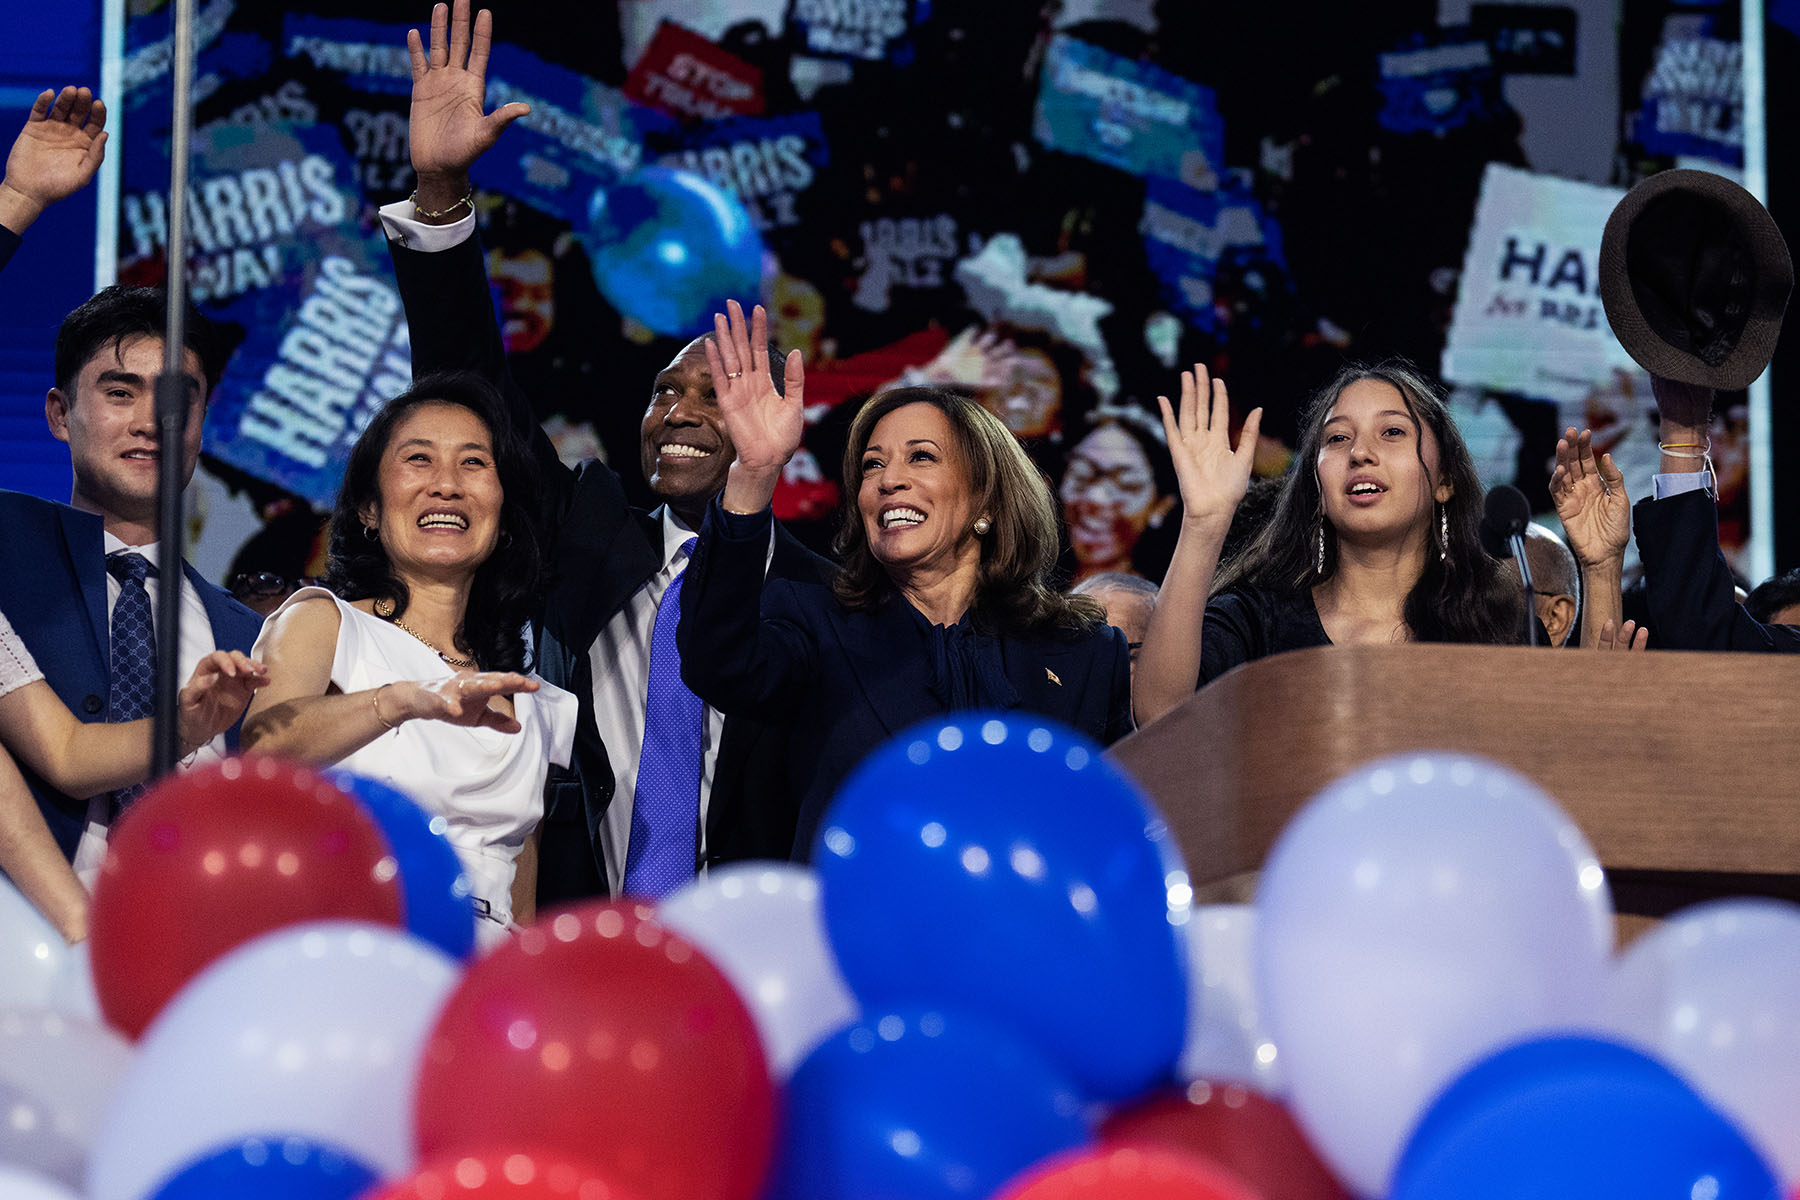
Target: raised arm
<point x="1596" y="518"/>
<point x="449" y="311"/>
<point x="301" y="716"/>
<point x="1213" y="477"/>
<point x="1692" y="602"/>
<point x="740" y="652"/>
<point x="54" y="156"/>
<point x="84" y="759"/>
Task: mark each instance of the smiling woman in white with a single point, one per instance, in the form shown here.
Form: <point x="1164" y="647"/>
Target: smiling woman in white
<point x="413" y="673"/>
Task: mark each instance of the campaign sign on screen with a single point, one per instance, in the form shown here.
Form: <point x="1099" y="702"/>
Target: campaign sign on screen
<point x="862" y="30"/>
<point x="278" y="249"/>
<point x="1129" y="115"/>
<point x="1694" y="100"/>
<point x="1182" y="245"/>
<point x="769" y="163"/>
<point x="1439" y="83"/>
<point x="369" y="57"/>
<point x="685" y="75"/>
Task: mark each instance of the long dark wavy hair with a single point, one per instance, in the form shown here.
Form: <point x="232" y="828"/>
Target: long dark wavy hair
<point x="1018" y="554"/>
<point x="1461" y="596"/>
<point x="506" y="585"/>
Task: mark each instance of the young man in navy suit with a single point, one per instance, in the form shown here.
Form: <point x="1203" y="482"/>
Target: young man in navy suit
<point x="67" y="571"/>
<point x="716" y="796"/>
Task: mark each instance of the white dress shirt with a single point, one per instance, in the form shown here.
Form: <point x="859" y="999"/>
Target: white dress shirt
<point x="196" y="643"/>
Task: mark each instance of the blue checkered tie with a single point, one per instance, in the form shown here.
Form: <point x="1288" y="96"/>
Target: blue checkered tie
<point x="665" y="811"/>
<point x="133" y="653"/>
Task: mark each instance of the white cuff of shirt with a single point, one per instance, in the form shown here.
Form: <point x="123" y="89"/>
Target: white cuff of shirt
<point x="397" y="220"/>
<point x="1675" y="483"/>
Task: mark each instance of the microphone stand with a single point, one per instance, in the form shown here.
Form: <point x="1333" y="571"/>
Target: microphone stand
<point x="172" y="409"/>
<point x="1517" y="542"/>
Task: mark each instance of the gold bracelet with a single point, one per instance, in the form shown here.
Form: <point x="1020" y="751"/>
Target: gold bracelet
<point x="375" y="703"/>
<point x="468" y="199"/>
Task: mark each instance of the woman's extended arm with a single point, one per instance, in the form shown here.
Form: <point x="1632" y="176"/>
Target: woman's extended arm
<point x="83" y="759"/>
<point x="299" y="717"/>
<point x="1214" y="477"/>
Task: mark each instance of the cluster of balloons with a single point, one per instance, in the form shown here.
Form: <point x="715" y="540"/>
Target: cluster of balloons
<point x="993" y="985"/>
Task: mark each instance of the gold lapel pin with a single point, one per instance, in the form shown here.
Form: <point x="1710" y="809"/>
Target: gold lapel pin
<point x="1051" y="676"/>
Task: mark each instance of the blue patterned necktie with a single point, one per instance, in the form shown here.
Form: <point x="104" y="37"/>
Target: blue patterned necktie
<point x="665" y="811"/>
<point x="133" y="653"/>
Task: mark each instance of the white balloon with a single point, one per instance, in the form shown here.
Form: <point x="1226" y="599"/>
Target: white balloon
<point x="57" y="1073"/>
<point x="313" y="1030"/>
<point x="1714" y="993"/>
<point x="760" y="924"/>
<point x="38" y="969"/>
<point x="1226" y="1037"/>
<point x="18" y="1184"/>
<point x="1417" y="915"/>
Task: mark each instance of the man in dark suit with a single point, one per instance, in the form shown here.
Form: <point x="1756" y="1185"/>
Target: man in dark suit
<point x="67" y="571"/>
<point x="614" y="565"/>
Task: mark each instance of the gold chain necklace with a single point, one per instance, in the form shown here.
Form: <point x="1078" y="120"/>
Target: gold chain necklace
<point x="384" y="608"/>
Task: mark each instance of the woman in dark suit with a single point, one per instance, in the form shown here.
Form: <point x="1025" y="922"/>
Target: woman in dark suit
<point x="943" y="602"/>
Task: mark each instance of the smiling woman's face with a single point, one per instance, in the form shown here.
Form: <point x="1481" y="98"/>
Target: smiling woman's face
<point x="1378" y="471"/>
<point x="440" y="492"/>
<point x="914" y="495"/>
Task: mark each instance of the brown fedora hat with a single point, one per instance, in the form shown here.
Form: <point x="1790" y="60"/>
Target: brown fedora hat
<point x="1695" y="276"/>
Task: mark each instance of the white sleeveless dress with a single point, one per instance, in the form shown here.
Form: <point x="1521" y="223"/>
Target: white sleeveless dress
<point x="17" y="667"/>
<point x="487" y="785"/>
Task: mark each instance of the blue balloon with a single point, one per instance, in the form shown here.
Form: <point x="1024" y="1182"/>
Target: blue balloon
<point x="668" y="249"/>
<point x="1575" y="1116"/>
<point x="271" y="1168"/>
<point x="434" y="896"/>
<point x="921" y="1104"/>
<point x="994" y="863"/>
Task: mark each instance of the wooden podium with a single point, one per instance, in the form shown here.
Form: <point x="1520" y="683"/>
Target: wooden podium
<point x="1683" y="769"/>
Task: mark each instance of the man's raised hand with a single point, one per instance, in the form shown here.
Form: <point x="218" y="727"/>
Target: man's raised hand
<point x="54" y="156"/>
<point x="449" y="127"/>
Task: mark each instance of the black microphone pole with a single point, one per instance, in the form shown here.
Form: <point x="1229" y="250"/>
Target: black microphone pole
<point x="1504" y="515"/>
<point x="173" y="402"/>
<point x="1517" y="542"/>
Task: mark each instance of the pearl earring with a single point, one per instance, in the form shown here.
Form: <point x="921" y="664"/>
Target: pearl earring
<point x="982" y="525"/>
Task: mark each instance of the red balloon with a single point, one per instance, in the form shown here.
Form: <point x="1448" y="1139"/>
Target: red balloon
<point x="602" y="1035"/>
<point x="211" y="858"/>
<point x="1250" y="1135"/>
<point x="1127" y="1173"/>
<point x="515" y="1176"/>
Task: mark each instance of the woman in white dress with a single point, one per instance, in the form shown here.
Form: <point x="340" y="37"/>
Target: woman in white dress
<point x="413" y="673"/>
<point x="82" y="759"/>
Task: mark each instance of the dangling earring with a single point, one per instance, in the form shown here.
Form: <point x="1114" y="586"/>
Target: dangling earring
<point x="370" y="534"/>
<point x="982" y="525"/>
<point x="1443" y="534"/>
<point x="384" y="607"/>
<point x="1319" y="545"/>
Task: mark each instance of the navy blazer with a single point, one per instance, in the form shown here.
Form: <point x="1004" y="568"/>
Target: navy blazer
<point x="1688" y="586"/>
<point x="53" y="591"/>
<point x="847" y="680"/>
<point x="601" y="551"/>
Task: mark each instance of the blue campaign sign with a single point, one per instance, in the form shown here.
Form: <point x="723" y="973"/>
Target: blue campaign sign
<point x="768" y="163"/>
<point x="1129" y="115"/>
<point x="1182" y="245"/>
<point x="370" y="57"/>
<point x="1694" y="100"/>
<point x="858" y="30"/>
<point x="579" y="136"/>
<point x="278" y="249"/>
<point x="1439" y="83"/>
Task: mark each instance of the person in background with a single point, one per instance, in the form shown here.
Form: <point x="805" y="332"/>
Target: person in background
<point x="1776" y="601"/>
<point x="1128" y="600"/>
<point x="1374" y="538"/>
<point x="1118" y="487"/>
<point x="412" y="673"/>
<point x="1555" y="582"/>
<point x="37" y="729"/>
<point x="944" y="601"/>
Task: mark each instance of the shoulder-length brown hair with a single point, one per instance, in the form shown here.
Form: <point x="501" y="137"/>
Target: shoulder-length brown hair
<point x="1018" y="553"/>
